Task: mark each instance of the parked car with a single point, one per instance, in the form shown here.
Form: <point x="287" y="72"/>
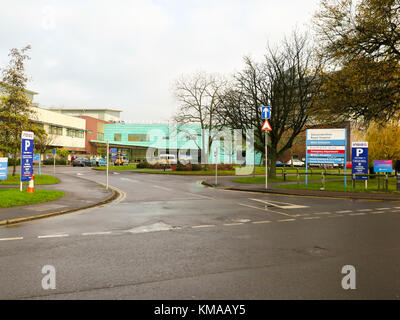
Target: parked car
<point x="296" y="163"/>
<point x="281" y="164"/>
<point x="101" y="162"/>
<point x="121" y="160"/>
<point x="81" y="162"/>
<point x="167" y="159"/>
<point x="185" y="159"/>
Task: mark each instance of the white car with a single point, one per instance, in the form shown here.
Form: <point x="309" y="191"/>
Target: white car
<point x="296" y="163"/>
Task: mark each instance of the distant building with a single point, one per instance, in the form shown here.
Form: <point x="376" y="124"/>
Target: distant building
<point x="109" y="115"/>
<point x="94" y="131"/>
<point x="64" y="131"/>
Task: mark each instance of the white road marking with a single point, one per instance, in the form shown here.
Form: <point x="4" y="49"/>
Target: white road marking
<point x="377" y="212"/>
<point x="357" y="214"/>
<point x="204" y="226"/>
<point x="336" y="215"/>
<point x="396" y="207"/>
<point x="201" y="196"/>
<point x="322" y="213"/>
<point x="364" y="210"/>
<point x="233" y="224"/>
<point x="344" y="211"/>
<point x="382" y="208"/>
<point x="95" y="233"/>
<point x="53" y="236"/>
<point x="9" y="239"/>
<point x="267" y="210"/>
<point x="246" y="205"/>
<point x="259" y="222"/>
<point x="286" y="220"/>
<point x="130" y="180"/>
<point x="116" y="173"/>
<point x="311" y="218"/>
<point x="163" y="188"/>
<point x="285" y="206"/>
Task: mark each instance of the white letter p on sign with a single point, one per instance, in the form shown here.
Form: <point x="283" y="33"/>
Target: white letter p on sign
<point x="359" y="151"/>
<point x="27" y="144"/>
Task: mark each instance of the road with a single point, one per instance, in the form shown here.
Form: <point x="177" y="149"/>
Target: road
<point x="169" y="237"/>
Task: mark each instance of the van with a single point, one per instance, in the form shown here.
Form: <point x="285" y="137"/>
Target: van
<point x="167" y="159"/>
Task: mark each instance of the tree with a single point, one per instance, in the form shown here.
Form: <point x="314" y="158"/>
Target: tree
<point x="198" y="98"/>
<point x="15" y="106"/>
<point x="383" y="142"/>
<point x="362" y="41"/>
<point x="288" y="81"/>
<point x="62" y="152"/>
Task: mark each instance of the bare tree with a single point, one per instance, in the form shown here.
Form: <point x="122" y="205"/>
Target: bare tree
<point x="288" y="81"/>
<point x="198" y="98"/>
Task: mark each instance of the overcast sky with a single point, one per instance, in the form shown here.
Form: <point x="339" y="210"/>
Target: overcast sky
<point x="126" y="54"/>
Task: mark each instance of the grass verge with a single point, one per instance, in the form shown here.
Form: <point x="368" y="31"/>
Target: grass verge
<point x="116" y="168"/>
<point x="14" y="197"/>
<point x="39" y="179"/>
<point x="339" y="186"/>
<point x="290" y="178"/>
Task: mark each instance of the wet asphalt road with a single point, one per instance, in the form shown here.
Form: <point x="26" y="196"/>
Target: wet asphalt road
<point x="168" y="237"/>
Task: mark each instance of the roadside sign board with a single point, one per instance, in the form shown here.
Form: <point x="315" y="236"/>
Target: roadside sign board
<point x="265" y="112"/>
<point x="54" y="150"/>
<point x="383" y="166"/>
<point x="26" y="155"/>
<point x="113" y="150"/>
<point x="36" y="158"/>
<point x="326" y="147"/>
<point x="3" y="168"/>
<point x="266" y="126"/>
<point x="359" y="159"/>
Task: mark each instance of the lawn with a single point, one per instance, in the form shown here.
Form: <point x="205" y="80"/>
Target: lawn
<point x="14" y="197"/>
<point x="339" y="186"/>
<point x="292" y="177"/>
<point x="258" y="171"/>
<point x="39" y="179"/>
<point x="116" y="168"/>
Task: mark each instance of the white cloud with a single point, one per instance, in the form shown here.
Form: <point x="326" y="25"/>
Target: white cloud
<point x="127" y="53"/>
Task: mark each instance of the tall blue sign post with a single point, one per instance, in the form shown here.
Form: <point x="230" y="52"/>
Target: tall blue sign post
<point x="26" y="156"/>
<point x="3" y="168"/>
<point x="359" y="159"/>
<point x="326" y="147"/>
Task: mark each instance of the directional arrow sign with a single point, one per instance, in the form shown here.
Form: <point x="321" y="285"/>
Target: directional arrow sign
<point x="266" y="126"/>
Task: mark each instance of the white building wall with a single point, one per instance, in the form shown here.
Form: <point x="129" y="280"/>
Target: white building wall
<point x="49" y="118"/>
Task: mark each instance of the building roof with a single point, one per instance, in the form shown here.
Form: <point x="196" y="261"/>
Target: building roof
<point x="85" y="109"/>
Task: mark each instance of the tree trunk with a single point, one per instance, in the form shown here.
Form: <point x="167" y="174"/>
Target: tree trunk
<point x="272" y="167"/>
<point x="15" y="165"/>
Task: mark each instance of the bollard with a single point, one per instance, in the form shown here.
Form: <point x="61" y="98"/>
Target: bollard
<point x="322" y="181"/>
<point x="386" y="182"/>
<point x="353" y="178"/>
<point x="284" y="175"/>
<point x="398" y="181"/>
<point x="298" y="177"/>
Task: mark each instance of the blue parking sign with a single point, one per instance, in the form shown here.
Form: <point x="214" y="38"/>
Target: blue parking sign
<point x="265" y="112"/>
<point x="26" y="155"/>
<point x="359" y="159"/>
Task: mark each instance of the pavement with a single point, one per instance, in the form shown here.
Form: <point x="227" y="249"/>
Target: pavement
<point x="80" y="193"/>
<point x="170" y="237"/>
<point x="225" y="182"/>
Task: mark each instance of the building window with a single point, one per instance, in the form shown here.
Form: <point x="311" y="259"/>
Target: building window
<point x="138" y="137"/>
<point x="117" y="137"/>
<point x="90" y="132"/>
<point x="58" y="131"/>
<point x="100" y="136"/>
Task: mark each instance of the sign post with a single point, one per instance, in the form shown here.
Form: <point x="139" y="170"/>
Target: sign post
<point x="36" y="159"/>
<point x="108" y="156"/>
<point x="266" y="114"/>
<point x="326" y="146"/>
<point x="3" y="168"/>
<point x="216" y="168"/>
<point x="26" y="156"/>
<point x="359" y="161"/>
<point x="54" y="159"/>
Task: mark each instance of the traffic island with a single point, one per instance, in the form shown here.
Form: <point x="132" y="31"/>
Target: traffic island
<point x="78" y="194"/>
<point x="290" y="188"/>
